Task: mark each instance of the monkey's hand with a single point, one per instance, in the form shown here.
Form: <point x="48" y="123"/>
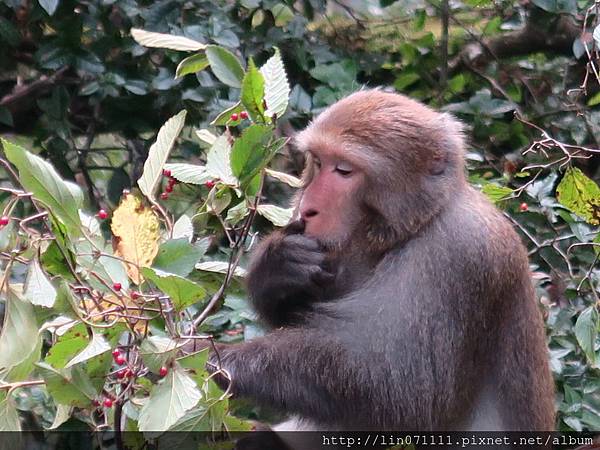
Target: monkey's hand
<point x="288" y="273"/>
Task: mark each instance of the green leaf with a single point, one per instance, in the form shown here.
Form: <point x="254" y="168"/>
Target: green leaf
<point x="586" y="332"/>
<point x="253" y="91"/>
<point x="189" y="173"/>
<point x="157" y="351"/>
<point x="63" y="413"/>
<point x="169" y="401"/>
<point x="68" y="386"/>
<point x="206" y="136"/>
<point x="596" y="35"/>
<point x="224" y="117"/>
<point x="277" y="88"/>
<point x="192" y="64"/>
<point x="580" y="194"/>
<point x="496" y="192"/>
<point x="49" y="5"/>
<point x="38" y="289"/>
<point x="159" y="152"/>
<point x="285" y="178"/>
<point x="557" y="6"/>
<point x="218" y="161"/>
<point x="178" y="256"/>
<point x="225" y="66"/>
<point x="276" y="215"/>
<point x="594" y="100"/>
<point x="182" y="291"/>
<point x="161" y="40"/>
<point x="97" y="346"/>
<point x="249" y="151"/>
<point x="406" y="79"/>
<point x="9" y="418"/>
<point x="67" y="346"/>
<point x="237" y="213"/>
<point x="282" y="14"/>
<point x="110" y="269"/>
<point x="19" y="337"/>
<point x="62" y="198"/>
<point x="196" y="419"/>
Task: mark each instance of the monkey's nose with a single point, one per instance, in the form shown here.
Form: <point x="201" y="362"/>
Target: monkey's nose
<point x="309" y="213"/>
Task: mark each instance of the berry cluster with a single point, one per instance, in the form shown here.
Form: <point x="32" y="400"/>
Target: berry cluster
<point x="170" y="184"/>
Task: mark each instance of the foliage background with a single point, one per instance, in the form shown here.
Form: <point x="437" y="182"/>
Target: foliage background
<point x="523" y="76"/>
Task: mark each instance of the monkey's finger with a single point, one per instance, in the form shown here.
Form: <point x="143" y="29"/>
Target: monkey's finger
<point x="323" y="278"/>
<point x="306" y="256"/>
<point x="295" y="227"/>
<point x="300" y="241"/>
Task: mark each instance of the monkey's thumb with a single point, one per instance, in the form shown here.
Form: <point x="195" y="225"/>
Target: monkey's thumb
<point x="295" y="227"/>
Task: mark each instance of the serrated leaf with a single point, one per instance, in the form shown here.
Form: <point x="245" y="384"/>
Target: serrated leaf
<point x="19" y="336"/>
<point x="237" y="213"/>
<point x="62" y="198"/>
<point x="178" y="256"/>
<point x="249" y="150"/>
<point x="206" y="136"/>
<point x="586" y="332"/>
<point x="220" y="267"/>
<point x="580" y="194"/>
<point x="192" y="64"/>
<point x="168" y="401"/>
<point x="277" y="88"/>
<point x="496" y="192"/>
<point x="63" y="413"/>
<point x="183" y="228"/>
<point x="38" y="289"/>
<point x="156" y="351"/>
<point x="189" y="173"/>
<point x="162" y="40"/>
<point x="159" y="152"/>
<point x="596" y="35"/>
<point x="282" y="14"/>
<point x="136" y="230"/>
<point x="276" y="215"/>
<point x="68" y="386"/>
<point x="67" y="346"/>
<point x="110" y="269"/>
<point x="182" y="291"/>
<point x="9" y="418"/>
<point x="97" y="346"/>
<point x="224" y="117"/>
<point x="49" y="5"/>
<point x="253" y="91"/>
<point x="225" y="65"/>
<point x="218" y="161"/>
<point x="285" y="178"/>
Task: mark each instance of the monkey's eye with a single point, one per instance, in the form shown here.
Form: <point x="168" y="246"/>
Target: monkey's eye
<point x="343" y="168"/>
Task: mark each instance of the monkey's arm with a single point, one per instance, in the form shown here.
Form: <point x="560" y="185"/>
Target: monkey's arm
<point x="288" y="273"/>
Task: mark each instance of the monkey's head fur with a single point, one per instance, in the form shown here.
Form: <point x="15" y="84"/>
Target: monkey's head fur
<point x="410" y="155"/>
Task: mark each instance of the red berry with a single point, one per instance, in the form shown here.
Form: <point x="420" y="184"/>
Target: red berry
<point x="108" y="403"/>
<point x="120" y="360"/>
<point x="102" y="214"/>
<point x="209" y="184"/>
<point x="234" y="117"/>
<point x="135" y="295"/>
<point x="523" y="207"/>
<point x="4" y="220"/>
<point x="244" y="115"/>
<point x="163" y="371"/>
<point x="128" y="373"/>
<point x="95" y="403"/>
<point x="172" y="181"/>
<point x="166" y="172"/>
<point x="122" y="373"/>
<point x="164" y="196"/>
<point x="117" y="286"/>
<point x="169" y="188"/>
<point x="116" y="352"/>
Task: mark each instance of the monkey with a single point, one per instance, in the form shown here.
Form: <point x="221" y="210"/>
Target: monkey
<point x="399" y="297"/>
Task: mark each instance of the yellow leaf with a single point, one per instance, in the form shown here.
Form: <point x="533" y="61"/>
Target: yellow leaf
<point x="136" y="232"/>
<point x="102" y="311"/>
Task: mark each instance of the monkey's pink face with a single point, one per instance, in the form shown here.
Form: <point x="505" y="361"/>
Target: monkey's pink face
<point x="329" y="204"/>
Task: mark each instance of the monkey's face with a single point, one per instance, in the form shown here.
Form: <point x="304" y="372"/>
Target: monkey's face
<point x="329" y="203"/>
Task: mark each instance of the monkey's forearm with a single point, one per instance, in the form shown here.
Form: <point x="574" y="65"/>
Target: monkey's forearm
<point x="294" y="371"/>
